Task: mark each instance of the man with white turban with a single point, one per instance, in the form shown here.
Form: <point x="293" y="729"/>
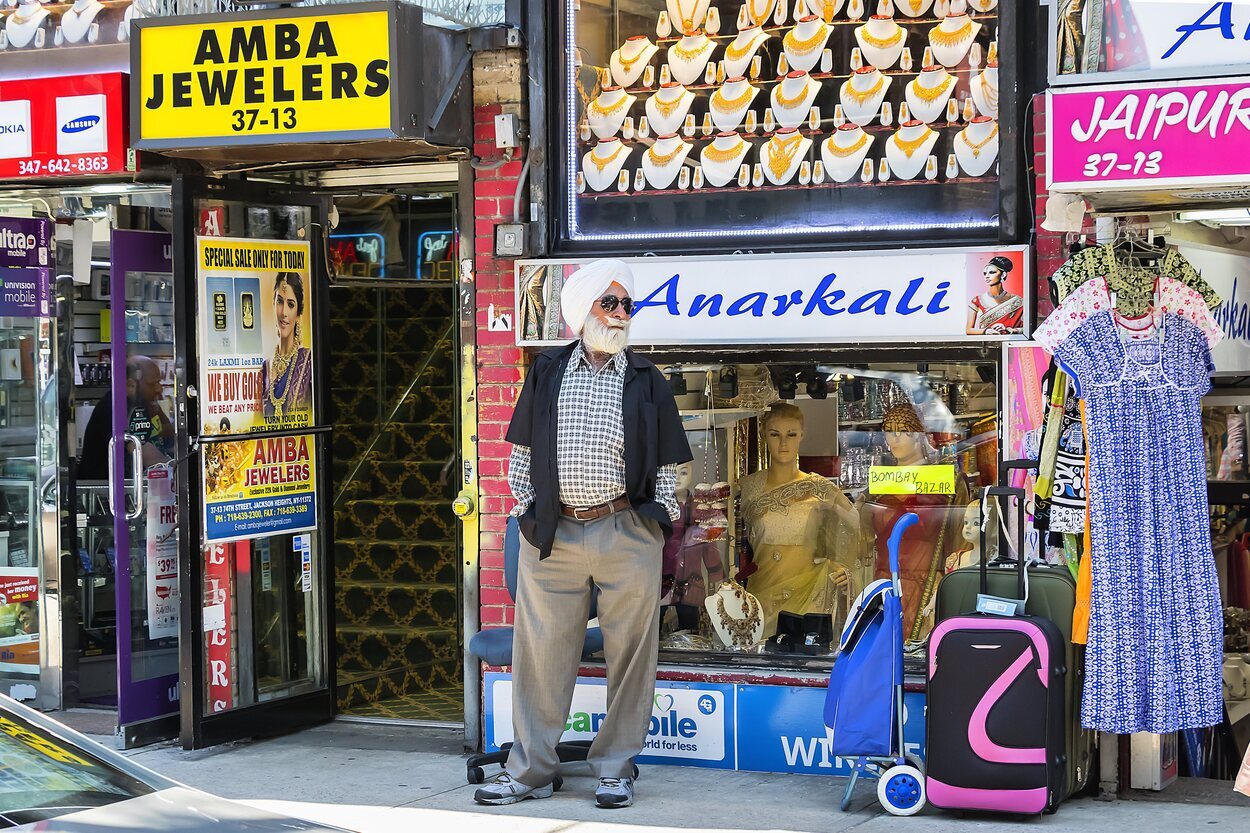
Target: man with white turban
<point x="596" y="442"/>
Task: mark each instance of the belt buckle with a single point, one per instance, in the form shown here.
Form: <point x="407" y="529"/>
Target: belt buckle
<point x="578" y="510"/>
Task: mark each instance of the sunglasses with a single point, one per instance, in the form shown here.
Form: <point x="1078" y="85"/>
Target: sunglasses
<point x="610" y="302"/>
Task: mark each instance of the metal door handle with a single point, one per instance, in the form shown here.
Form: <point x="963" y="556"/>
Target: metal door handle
<point x="113" y="477"/>
<point x="136" y="463"/>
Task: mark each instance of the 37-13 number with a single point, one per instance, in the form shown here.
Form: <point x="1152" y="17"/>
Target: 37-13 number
<point x="276" y="117"/>
<point x="1101" y="165"/>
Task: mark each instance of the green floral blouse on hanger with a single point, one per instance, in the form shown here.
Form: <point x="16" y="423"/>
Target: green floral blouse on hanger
<point x="1134" y="286"/>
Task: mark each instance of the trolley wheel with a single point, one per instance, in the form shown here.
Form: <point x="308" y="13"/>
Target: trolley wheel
<point x="915" y="761"/>
<point x="557" y="783"/>
<point x="477" y="775"/>
<point x="900" y="790"/>
<point x="636" y="773"/>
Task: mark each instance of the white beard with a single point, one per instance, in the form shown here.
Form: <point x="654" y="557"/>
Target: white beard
<point x="604" y="338"/>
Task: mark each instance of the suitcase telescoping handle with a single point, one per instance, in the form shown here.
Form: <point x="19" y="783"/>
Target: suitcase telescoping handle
<point x="1008" y="466"/>
<point x="993" y="493"/>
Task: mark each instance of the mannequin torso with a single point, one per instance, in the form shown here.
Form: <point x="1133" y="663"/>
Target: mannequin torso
<point x="843" y="153"/>
<point x="882" y="41"/>
<point x="908" y="150"/>
<point x="803" y="43"/>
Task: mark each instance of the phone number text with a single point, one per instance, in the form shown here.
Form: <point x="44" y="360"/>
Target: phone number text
<point x="64" y="165"/>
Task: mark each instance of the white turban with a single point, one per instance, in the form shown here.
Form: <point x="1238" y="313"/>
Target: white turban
<point x="587" y="285"/>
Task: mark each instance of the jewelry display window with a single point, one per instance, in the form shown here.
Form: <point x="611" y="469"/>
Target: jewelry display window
<point x="799" y="473"/>
<point x="810" y="120"/>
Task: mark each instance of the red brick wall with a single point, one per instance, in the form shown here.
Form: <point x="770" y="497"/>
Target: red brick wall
<point x="499" y="361"/>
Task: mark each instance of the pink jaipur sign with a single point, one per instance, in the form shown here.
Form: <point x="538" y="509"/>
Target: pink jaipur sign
<point x="1142" y="137"/>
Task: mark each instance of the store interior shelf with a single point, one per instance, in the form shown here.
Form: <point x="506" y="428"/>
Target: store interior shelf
<point x="721" y="418"/>
<point x="642" y="89"/>
<point x="963" y="180"/>
<point x="905" y="22"/>
<point x="972" y="416"/>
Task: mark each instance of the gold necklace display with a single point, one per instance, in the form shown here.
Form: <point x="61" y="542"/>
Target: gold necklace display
<point x="828" y="10"/>
<point x="915" y="6"/>
<point x="741" y="631"/>
<point x="990" y="90"/>
<point x="758" y="17"/>
<point x="850" y="150"/>
<point x="667" y="108"/>
<point x="627" y="64"/>
<point x="931" y="94"/>
<point x="861" y="98"/>
<point x="882" y="43"/>
<point x="660" y="160"/>
<point x="794" y="101"/>
<point x="781" y="153"/>
<point x="603" y="162"/>
<point x="597" y="109"/>
<point x="688" y="54"/>
<point x="804" y="47"/>
<point x="910" y="146"/>
<point x="281" y="364"/>
<point x="738" y="53"/>
<point x="715" y="154"/>
<point x="687" y="18"/>
<point x="731" y="105"/>
<point x="941" y="37"/>
<point x="977" y="147"/>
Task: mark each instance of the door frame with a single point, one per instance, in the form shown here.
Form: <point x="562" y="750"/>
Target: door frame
<point x="198" y="727"/>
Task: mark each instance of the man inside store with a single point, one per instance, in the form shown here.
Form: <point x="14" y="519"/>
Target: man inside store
<point x="146" y="420"/>
<point x="596" y="442"/>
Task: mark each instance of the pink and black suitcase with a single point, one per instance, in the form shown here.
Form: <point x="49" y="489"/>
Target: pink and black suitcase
<point x="996" y="717"/>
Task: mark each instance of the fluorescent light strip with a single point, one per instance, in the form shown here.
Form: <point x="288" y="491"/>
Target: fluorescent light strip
<point x="771" y="232"/>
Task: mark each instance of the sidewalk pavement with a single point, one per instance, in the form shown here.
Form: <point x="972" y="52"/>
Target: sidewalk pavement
<point x="384" y="778"/>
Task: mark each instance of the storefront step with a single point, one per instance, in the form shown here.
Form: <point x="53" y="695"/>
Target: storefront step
<point x="422" y="441"/>
<point x="398" y="480"/>
<point x="378" y="649"/>
<point x="385" y="603"/>
<point x="396" y="520"/>
<point x="365" y="559"/>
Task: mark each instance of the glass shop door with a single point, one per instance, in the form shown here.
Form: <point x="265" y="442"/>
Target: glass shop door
<point x="142" y="462"/>
<point x="256" y="606"/>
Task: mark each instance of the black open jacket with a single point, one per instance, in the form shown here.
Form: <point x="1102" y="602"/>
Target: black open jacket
<point x="654" y="437"/>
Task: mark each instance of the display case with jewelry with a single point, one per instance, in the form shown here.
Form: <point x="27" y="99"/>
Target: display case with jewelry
<point x="976" y="146"/>
<point x="664" y="160"/>
<point x="761" y="67"/>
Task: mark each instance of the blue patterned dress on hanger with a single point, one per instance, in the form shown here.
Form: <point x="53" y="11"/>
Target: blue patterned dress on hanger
<point x="1155" y="647"/>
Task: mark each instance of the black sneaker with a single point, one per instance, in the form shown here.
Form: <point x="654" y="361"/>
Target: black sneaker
<point x="614" y="792"/>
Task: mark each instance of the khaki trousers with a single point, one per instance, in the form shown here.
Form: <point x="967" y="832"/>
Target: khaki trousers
<point x="620" y="554"/>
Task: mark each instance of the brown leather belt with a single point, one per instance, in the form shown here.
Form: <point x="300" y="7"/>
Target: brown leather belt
<point x="590" y="513"/>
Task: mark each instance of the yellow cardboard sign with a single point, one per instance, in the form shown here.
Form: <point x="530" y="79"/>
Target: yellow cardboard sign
<point x="284" y="76"/>
<point x="911" y="480"/>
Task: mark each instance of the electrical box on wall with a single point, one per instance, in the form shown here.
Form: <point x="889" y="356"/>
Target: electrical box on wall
<point x="505" y="131"/>
<point x="510" y="240"/>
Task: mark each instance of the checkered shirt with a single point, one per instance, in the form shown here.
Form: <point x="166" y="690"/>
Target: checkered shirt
<point x="590" y="442"/>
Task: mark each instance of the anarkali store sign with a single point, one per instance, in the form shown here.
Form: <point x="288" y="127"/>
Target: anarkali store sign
<point x="1148" y="137"/>
<point x="917" y="295"/>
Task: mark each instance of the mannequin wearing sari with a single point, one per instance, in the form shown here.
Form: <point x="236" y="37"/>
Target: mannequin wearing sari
<point x="924" y="549"/>
<point x="802" y="530"/>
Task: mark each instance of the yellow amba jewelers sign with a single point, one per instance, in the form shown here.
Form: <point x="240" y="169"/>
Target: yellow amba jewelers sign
<point x="304" y="74"/>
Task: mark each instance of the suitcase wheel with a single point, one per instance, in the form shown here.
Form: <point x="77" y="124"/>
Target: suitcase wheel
<point x="900" y="790"/>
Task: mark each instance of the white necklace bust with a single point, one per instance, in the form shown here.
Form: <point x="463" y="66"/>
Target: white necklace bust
<point x="27" y="26"/>
<point x="607" y="111"/>
<point x="985" y="90"/>
<point x="687" y="15"/>
<point x="729" y="104"/>
<point x="881" y="40"/>
<point x="843" y="153"/>
<point x="667" y="109"/>
<point x="792" y="98"/>
<point x="78" y="23"/>
<point x="731" y="602"/>
<point x="740" y="51"/>
<point x="804" y="43"/>
<point x="135" y="11"/>
<point x="919" y="139"/>
<point x="631" y="60"/>
<point x="913" y="8"/>
<point x="976" y="146"/>
<point x="663" y="160"/>
<point x="928" y="93"/>
<point x="688" y="57"/>
<point x="783" y="154"/>
<point x="827" y="9"/>
<point x="862" y="94"/>
<point x="951" y="39"/>
<point x="722" y="158"/>
<point x="602" y="164"/>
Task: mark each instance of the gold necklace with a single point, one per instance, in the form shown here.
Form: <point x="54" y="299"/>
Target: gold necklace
<point x="281" y="364"/>
<point x="838" y="150"/>
<point x="977" y="147"/>
<point x="741" y="631"/>
<point x="787" y="103"/>
<point x="661" y="160"/>
<point x="781" y="154"/>
<point x="667" y="108"/>
<point x="687" y="20"/>
<point x="915" y="5"/>
<point x="731" y="105"/>
<point x="991" y="92"/>
<point x="910" y="147"/>
<point x="627" y="64"/>
<point x="597" y="109"/>
<point x="716" y="154"/>
<point x="803" y="47"/>
<point x="737" y="53"/>
<point x="940" y="37"/>
<point x="848" y="90"/>
<point x="828" y="10"/>
<point x="602" y="163"/>
<point x="687" y="54"/>
<point x="756" y="17"/>
<point x="931" y="94"/>
<point x="882" y="43"/>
